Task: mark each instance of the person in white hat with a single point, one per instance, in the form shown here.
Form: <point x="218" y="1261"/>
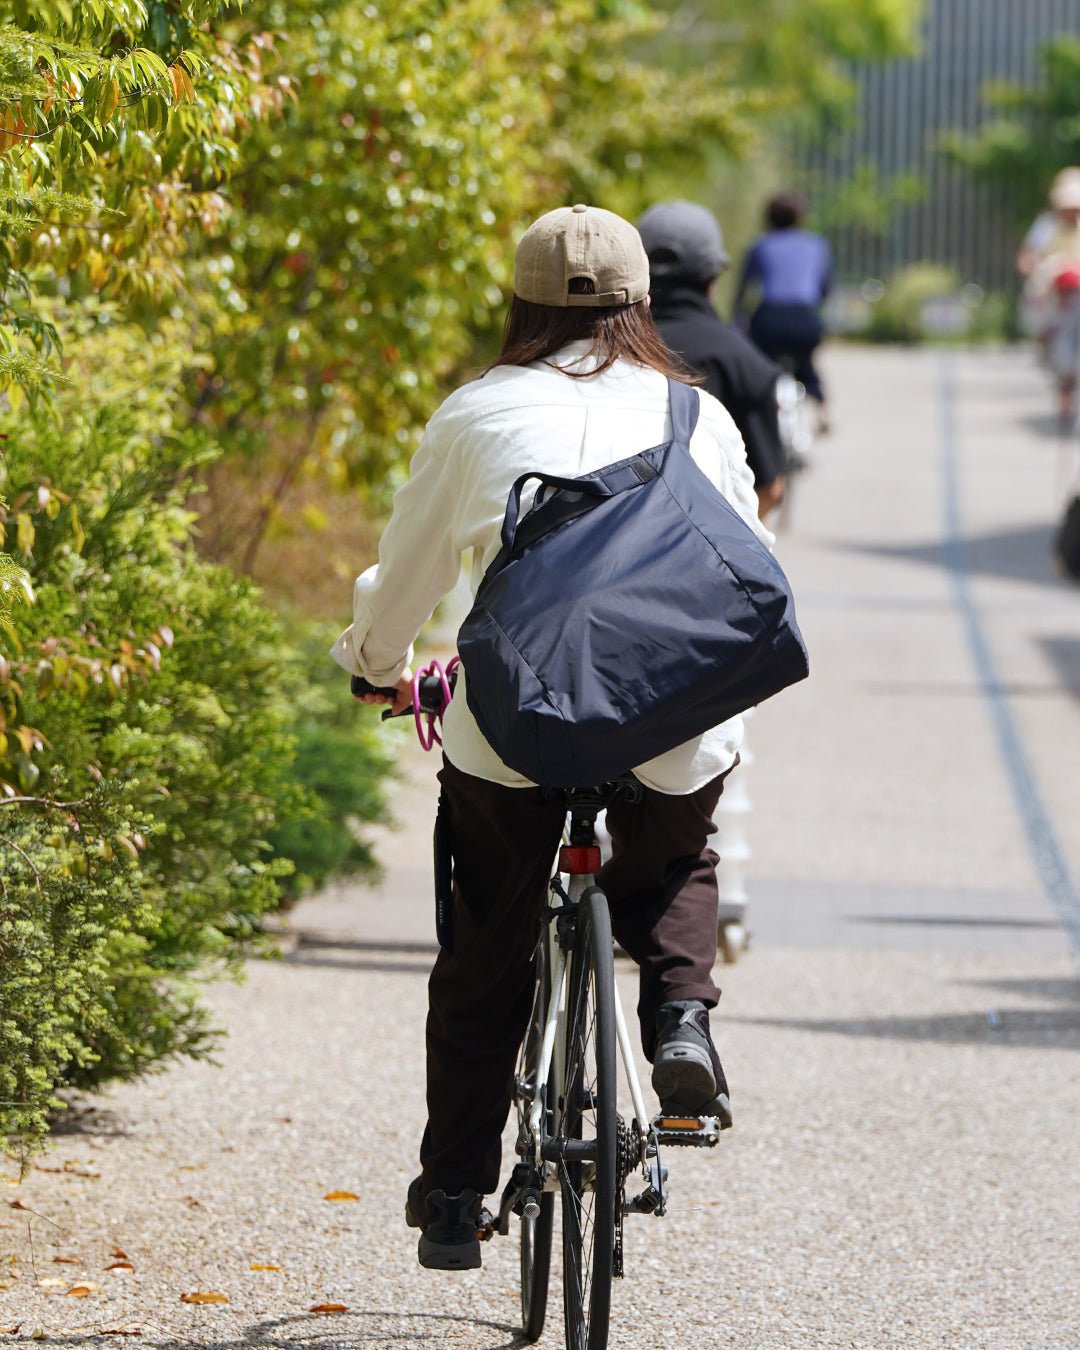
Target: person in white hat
<point x="1051" y="294"/>
<point x="1064" y="203"/>
<point x="580" y="383"/>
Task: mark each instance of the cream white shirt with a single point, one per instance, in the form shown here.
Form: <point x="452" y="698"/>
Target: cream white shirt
<point x="486" y="434"/>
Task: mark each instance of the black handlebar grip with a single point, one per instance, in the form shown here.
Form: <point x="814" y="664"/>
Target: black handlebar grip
<point x="359" y="686"/>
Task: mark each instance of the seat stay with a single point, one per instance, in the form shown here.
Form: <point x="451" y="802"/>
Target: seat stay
<point x="551" y="1049"/>
<point x="626" y="1054"/>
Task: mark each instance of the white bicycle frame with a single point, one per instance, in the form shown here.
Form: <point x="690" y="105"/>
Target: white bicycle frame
<point x="553" y="1041"/>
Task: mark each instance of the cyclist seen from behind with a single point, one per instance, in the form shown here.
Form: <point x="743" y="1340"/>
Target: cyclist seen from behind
<point x="686" y="254"/>
<point x="581" y="382"/>
<point x="790" y="270"/>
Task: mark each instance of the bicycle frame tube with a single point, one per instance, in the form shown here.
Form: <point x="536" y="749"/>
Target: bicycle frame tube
<point x="552" y="1047"/>
<point x="626" y="1054"/>
<point x="551" y="1043"/>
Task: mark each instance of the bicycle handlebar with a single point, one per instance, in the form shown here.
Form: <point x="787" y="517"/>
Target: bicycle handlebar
<point x="429" y="694"/>
<point x="432" y="691"/>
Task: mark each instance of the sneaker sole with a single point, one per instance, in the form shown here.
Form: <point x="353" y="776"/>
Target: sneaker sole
<point x="446" y="1256"/>
<point x="685" y="1075"/>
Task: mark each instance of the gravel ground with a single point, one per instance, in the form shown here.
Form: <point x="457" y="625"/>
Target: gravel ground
<point x="902" y="1173"/>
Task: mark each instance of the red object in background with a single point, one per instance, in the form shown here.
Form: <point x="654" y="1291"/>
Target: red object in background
<point x="1068" y="279"/>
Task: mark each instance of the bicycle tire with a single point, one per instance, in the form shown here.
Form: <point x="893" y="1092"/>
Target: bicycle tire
<point x="535" y="1233"/>
<point x="588" y="1185"/>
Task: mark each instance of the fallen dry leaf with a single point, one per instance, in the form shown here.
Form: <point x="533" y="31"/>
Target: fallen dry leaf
<point x="120" y="1265"/>
<point x="11" y="1331"/>
<point x="17" y="1204"/>
<point x="83" y="1288"/>
<point x="203" y="1298"/>
<point x="47" y="1284"/>
<point x="265" y="1267"/>
<point x="66" y="1261"/>
<point x="120" y="1256"/>
<point x="329" y="1307"/>
<point x="73" y="1169"/>
<point x="341" y="1195"/>
<point x="128" y="1329"/>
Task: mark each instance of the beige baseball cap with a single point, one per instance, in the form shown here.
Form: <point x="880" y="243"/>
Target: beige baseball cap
<point x="581" y="241"/>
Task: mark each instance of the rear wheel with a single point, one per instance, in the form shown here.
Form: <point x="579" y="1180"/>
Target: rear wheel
<point x="586" y="1137"/>
<point x="536" y="1228"/>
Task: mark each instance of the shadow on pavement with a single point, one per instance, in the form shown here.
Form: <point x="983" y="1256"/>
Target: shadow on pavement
<point x="1021" y="554"/>
<point x="84" y="1119"/>
<point x="339" y="953"/>
<point x="1064" y="654"/>
<point x="355" y="1329"/>
<point x="1027" y="1028"/>
<point x="1047" y="426"/>
<point x="1064" y="991"/>
<point x="952" y="920"/>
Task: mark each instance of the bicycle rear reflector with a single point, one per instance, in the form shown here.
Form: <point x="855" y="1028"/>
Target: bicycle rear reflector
<point x="579" y="859"/>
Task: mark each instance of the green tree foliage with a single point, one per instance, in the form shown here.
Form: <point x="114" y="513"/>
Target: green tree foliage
<point x="796" y="54"/>
<point x="147" y="712"/>
<point x="373" y="225"/>
<point x="118" y="122"/>
<point x="1034" y="130"/>
<point x="366" y="261"/>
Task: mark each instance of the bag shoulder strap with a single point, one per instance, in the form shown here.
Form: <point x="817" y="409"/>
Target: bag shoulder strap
<point x="685" y="406"/>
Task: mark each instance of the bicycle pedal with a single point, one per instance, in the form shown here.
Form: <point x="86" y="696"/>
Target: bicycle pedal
<point x="688" y="1131"/>
<point x="485" y="1225"/>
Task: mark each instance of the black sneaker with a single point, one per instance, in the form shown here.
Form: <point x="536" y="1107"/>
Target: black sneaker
<point x="449" y="1239"/>
<point x="687" y="1074"/>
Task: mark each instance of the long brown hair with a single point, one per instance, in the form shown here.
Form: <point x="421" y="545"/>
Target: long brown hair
<point x="618" y="332"/>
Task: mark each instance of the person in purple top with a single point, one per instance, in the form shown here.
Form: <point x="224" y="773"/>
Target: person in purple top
<point x="790" y="270"/>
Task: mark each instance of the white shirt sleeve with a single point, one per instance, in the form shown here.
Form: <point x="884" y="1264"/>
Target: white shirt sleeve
<point x="419" y="563"/>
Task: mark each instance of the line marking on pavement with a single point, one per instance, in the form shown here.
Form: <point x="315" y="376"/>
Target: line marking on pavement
<point x="1050" y="864"/>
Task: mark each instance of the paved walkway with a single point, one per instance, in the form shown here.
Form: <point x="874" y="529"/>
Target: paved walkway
<point x="901" y="1039"/>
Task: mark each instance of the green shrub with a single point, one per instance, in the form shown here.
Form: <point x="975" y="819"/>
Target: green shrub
<point x="148" y="702"/>
<point x="342" y="756"/>
<point x="927" y="303"/>
<point x="898" y="315"/>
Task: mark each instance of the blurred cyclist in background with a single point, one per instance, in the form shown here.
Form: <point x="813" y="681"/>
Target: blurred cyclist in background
<point x="1041" y="232"/>
<point x="1049" y="259"/>
<point x="1049" y="263"/>
<point x="686" y="255"/>
<point x="790" y="269"/>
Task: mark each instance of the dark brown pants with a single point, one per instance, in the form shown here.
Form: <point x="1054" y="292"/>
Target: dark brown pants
<point x="661" y="885"/>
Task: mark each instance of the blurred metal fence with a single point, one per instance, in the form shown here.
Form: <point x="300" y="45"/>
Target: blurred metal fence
<point x="904" y="106"/>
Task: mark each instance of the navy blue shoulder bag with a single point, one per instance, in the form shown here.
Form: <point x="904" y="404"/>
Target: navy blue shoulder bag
<point x="627" y="612"/>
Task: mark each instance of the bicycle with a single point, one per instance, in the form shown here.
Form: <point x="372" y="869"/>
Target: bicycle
<point x="571" y="1138"/>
